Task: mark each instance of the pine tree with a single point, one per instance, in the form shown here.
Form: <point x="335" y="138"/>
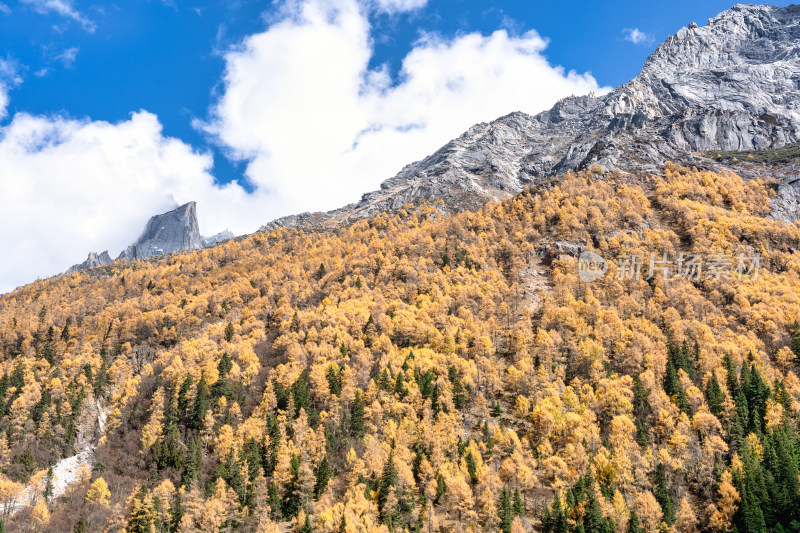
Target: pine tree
<point x="454" y="376"/>
<point x="306" y="526"/>
<point x="662" y="494"/>
<point x="714" y="395"/>
<point x="559" y="517"/>
<point x="291" y="496"/>
<point x="48" y="487"/>
<point x="387" y="483"/>
<point x="171" y="450"/>
<point x="274" y="500"/>
<point x="194" y="461"/>
<point x="200" y="406"/>
<point x="323" y="476"/>
<point x="441" y="488"/>
<point x="334" y="380"/>
<point x="517" y="506"/>
<point x="634" y="526"/>
<point x="593" y="520"/>
<point x="176" y="512"/>
<point x="472" y="469"/>
<point x="794" y="331"/>
<point x="547" y="521"/>
<point x="357" y="417"/>
<point x="505" y="512"/>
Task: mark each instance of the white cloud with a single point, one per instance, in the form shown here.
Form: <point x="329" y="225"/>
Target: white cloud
<point x="8" y="80"/>
<point x="70" y="187"/>
<point x="399" y="6"/>
<point x="63" y="8"/>
<point x="5" y="9"/>
<point x="3" y="101"/>
<point x="67" y="57"/>
<point x="318" y="128"/>
<point x="636" y="36"/>
<point x="298" y="102"/>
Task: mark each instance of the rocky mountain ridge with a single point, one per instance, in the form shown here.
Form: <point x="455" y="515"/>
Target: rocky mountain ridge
<point x="174" y="231"/>
<point x="733" y="84"/>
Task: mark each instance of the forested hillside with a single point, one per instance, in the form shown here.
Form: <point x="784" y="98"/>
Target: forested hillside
<point x="423" y="372"/>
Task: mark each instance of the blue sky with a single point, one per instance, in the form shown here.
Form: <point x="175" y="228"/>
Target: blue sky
<point x="112" y="112"/>
<point x="167" y="56"/>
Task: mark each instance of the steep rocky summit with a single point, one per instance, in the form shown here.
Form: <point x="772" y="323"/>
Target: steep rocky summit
<point x="733" y="84"/>
<point x="173" y="231"/>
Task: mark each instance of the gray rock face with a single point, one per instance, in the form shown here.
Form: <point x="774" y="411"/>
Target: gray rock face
<point x="219" y="237"/>
<point x="731" y="85"/>
<point x="92" y="261"/>
<point x="174" y="231"/>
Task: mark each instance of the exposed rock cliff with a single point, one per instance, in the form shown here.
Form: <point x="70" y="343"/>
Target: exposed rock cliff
<point x="173" y="231"/>
<point x="92" y="261"/>
<point x="733" y="84"/>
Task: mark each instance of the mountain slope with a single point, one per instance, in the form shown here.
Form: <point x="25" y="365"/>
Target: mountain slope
<point x="417" y="370"/>
<point x="731" y="85"/>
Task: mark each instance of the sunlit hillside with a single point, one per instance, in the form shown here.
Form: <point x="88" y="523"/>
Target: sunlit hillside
<point x="424" y="372"/>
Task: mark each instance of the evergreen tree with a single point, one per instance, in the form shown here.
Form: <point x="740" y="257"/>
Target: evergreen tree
<point x="323" y="476"/>
<point x="714" y="395"/>
<point x="292" y="496"/>
<point x="306" y="526"/>
<point x="269" y="459"/>
<point x="183" y="398"/>
<point x="547" y="521"/>
<point x="559" y="517"/>
<point x="200" y="406"/>
<point x="48" y="486"/>
<point x="593" y="520"/>
<point x="472" y="469"/>
<point x="794" y="331"/>
<point x="454" y="376"/>
<point x="357" y="417"/>
<point x="301" y="394"/>
<point x="634" y="526"/>
<point x="517" y="506"/>
<point x="170" y="451"/>
<point x="334" y="380"/>
<point x="662" y="494"/>
<point x="399" y="385"/>
<point x="176" y="513"/>
<point x="274" y="500"/>
<point x="441" y="488"/>
<point x="387" y="482"/>
<point x="505" y="512"/>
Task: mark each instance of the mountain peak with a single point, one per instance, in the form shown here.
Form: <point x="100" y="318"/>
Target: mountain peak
<point x="733" y="84"/>
<point x="173" y="231"/>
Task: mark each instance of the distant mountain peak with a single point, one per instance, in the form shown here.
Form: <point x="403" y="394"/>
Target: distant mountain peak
<point x="173" y="231"/>
<point x="92" y="261"/>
